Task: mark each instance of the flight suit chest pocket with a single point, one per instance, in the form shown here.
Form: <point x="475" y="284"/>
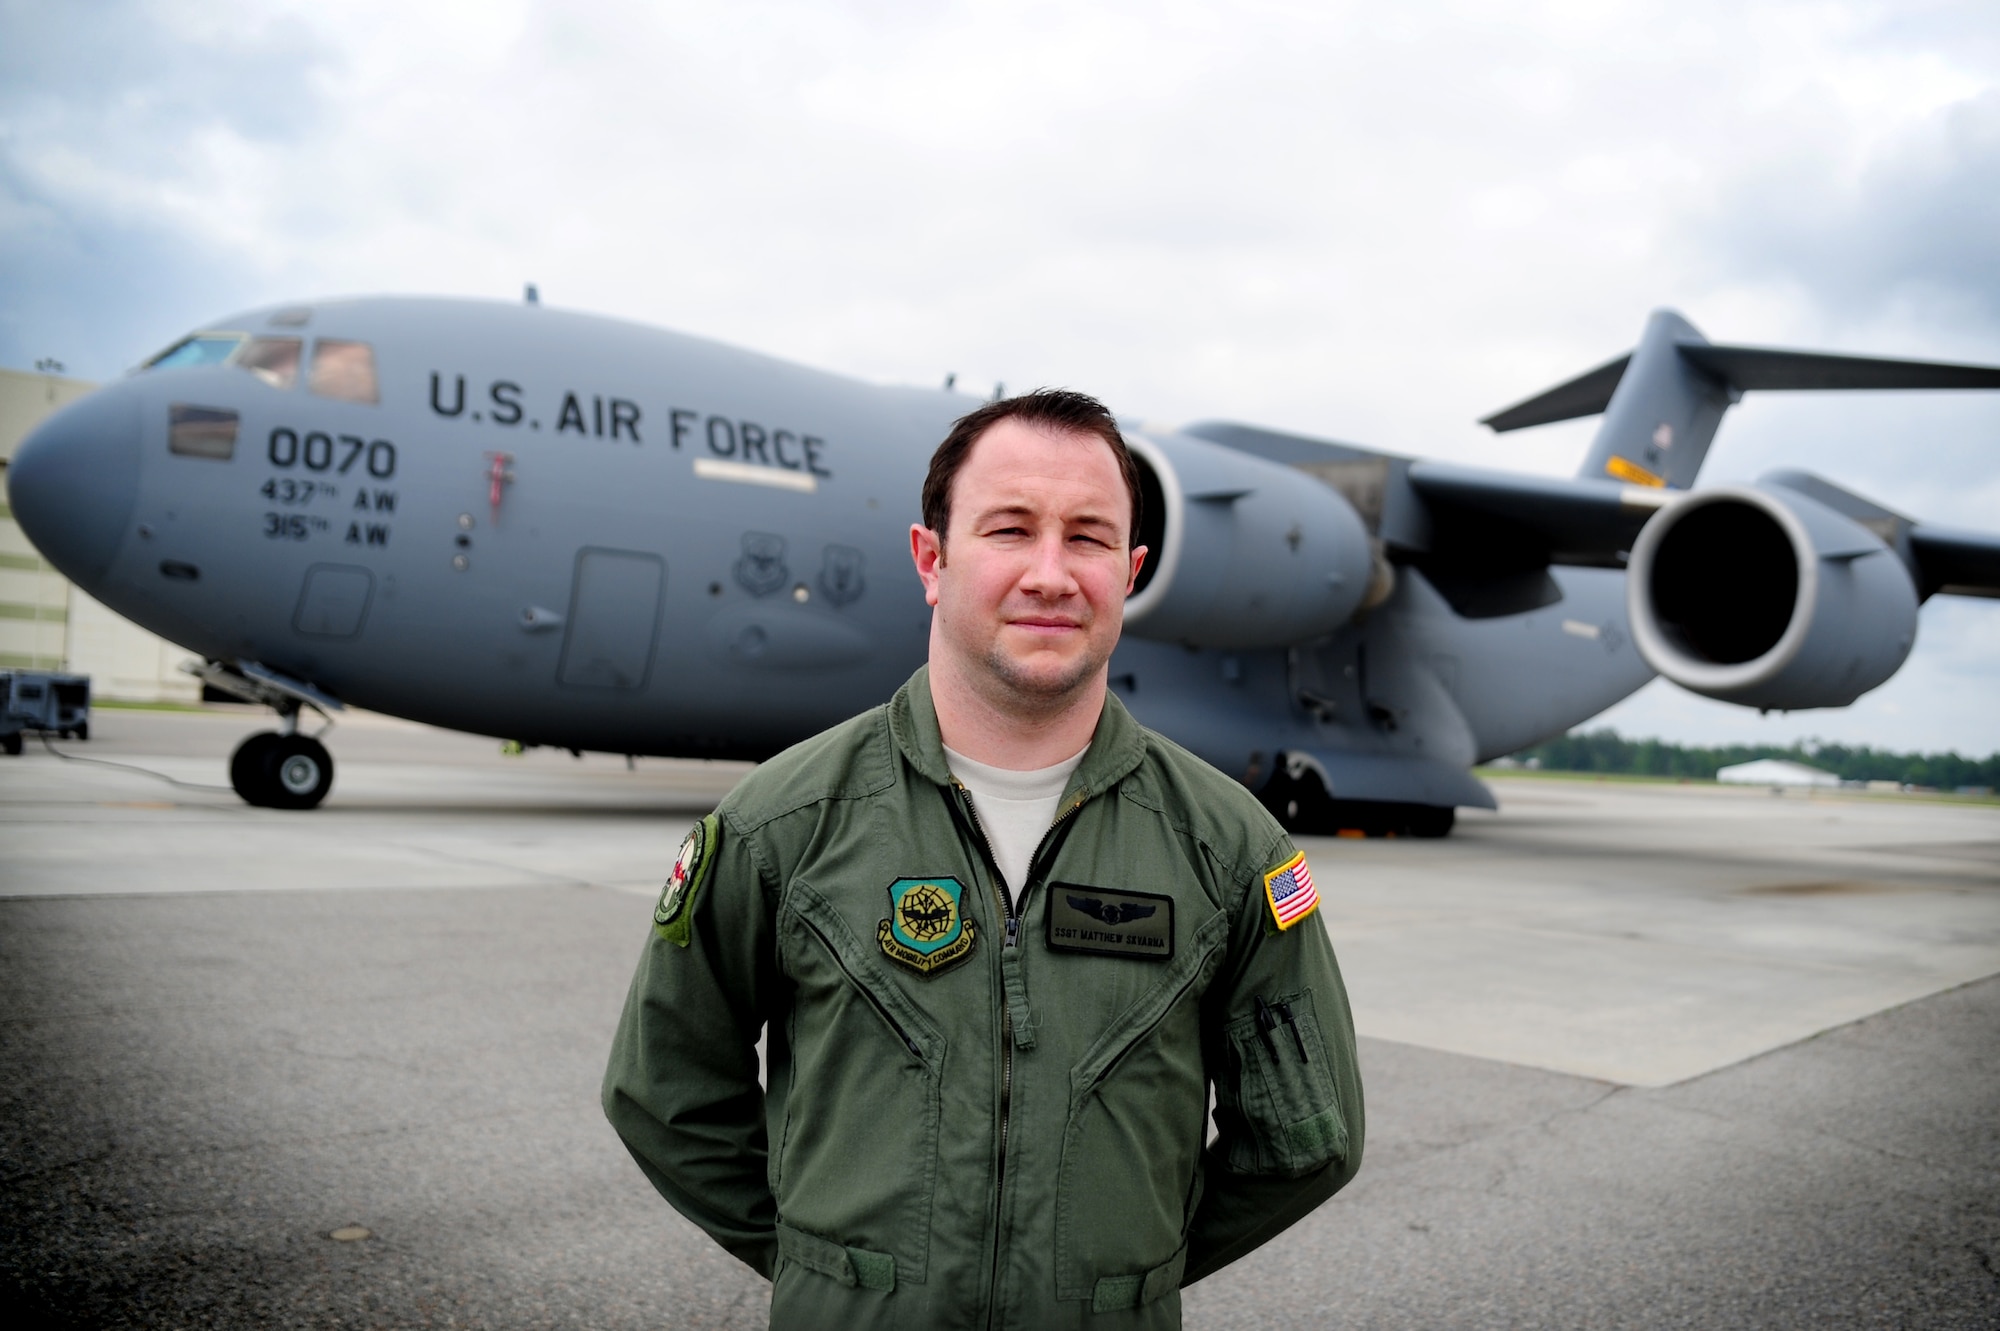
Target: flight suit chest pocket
<point x="1133" y="1141"/>
<point x="856" y="1162"/>
<point x="1281" y="1084"/>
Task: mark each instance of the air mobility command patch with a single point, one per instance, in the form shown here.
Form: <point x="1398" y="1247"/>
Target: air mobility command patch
<point x="927" y="930"/>
<point x="1289" y="892"/>
<point x="673" y="918"/>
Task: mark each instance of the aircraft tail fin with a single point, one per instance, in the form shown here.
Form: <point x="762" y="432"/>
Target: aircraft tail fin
<point x="1663" y="401"/>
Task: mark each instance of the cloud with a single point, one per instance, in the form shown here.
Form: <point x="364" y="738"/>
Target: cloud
<point x="123" y="132"/>
<point x="137" y="76"/>
<point x="1910" y="230"/>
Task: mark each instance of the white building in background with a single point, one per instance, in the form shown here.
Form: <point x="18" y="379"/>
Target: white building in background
<point x="45" y="623"/>
<point x="1774" y="772"/>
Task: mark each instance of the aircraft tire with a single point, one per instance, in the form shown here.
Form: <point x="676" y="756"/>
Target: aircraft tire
<point x="1303" y="808"/>
<point x="1429" y="821"/>
<point x="11" y="744"/>
<point x="300" y="772"/>
<point x="250" y="768"/>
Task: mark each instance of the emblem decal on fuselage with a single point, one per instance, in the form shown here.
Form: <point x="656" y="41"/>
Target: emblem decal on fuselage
<point x="762" y="569"/>
<point x="840" y="574"/>
<point x="927" y="930"/>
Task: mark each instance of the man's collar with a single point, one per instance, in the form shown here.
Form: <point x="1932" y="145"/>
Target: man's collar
<point x="1116" y="747"/>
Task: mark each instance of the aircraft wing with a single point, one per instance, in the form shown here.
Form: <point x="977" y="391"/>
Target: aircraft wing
<point x="1503" y="520"/>
<point x="1508" y="519"/>
<point x="1956" y="562"/>
<point x="1441" y="513"/>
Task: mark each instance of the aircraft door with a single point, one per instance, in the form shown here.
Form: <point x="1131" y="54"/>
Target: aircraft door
<point x="614" y="619"/>
<point x="334" y="601"/>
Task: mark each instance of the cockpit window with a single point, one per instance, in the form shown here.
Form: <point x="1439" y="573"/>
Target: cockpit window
<point x="343" y="370"/>
<point x="201" y="349"/>
<point x="275" y="360"/>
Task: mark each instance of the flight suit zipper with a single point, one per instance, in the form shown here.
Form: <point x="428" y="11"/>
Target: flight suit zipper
<point x="1010" y="937"/>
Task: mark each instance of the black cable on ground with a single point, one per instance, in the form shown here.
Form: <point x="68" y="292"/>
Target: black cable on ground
<point x="49" y="744"/>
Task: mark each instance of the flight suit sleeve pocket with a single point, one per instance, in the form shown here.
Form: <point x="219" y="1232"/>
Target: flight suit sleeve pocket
<point x="1280" y="1091"/>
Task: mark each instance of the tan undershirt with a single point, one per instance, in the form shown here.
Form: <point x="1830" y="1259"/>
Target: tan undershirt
<point x="1014" y="808"/>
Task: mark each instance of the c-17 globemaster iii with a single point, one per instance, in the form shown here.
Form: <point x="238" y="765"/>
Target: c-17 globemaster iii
<point x="572" y="531"/>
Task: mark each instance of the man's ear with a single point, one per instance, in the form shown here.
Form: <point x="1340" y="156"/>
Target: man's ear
<point x="927" y="553"/>
<point x="1138" y="562"/>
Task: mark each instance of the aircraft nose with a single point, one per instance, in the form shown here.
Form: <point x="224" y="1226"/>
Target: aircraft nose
<point x="74" y="482"/>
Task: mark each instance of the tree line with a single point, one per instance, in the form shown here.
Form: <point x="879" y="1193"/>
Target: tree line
<point x="1609" y="752"/>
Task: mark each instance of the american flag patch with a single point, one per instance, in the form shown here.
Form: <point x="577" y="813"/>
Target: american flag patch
<point x="1289" y="889"/>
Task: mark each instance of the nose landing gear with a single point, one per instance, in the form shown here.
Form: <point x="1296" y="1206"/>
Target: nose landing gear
<point x="275" y="769"/>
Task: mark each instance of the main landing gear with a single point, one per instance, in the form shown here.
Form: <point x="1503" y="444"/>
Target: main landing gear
<point x="280" y="771"/>
<point x="1302" y="805"/>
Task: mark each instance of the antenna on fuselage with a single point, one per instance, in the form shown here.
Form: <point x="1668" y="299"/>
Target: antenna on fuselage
<point x="532" y="296"/>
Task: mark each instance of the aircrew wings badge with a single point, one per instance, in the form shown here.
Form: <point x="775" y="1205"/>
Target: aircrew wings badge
<point x="673" y="918"/>
<point x="1289" y="891"/>
<point x="927" y="930"/>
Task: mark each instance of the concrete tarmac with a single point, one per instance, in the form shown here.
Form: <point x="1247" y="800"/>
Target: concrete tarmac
<point x="1635" y="1056"/>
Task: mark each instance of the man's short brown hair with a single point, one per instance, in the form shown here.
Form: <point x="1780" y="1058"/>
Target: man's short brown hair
<point x="1055" y="410"/>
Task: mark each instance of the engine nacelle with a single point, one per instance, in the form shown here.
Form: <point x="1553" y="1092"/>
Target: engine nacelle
<point x="1765" y="597"/>
<point x="1246" y="552"/>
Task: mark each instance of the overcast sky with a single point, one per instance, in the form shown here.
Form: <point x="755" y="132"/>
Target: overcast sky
<point x="1367" y="222"/>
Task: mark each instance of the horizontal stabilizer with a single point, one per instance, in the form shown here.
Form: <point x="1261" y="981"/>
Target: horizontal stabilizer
<point x="1766" y="369"/>
<point x="1585" y="395"/>
<point x="1746" y="369"/>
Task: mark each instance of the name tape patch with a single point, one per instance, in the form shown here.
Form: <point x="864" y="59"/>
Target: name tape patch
<point x="1110" y="924"/>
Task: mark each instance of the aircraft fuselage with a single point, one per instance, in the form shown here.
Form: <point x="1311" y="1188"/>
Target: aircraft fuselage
<point x="572" y="531"/>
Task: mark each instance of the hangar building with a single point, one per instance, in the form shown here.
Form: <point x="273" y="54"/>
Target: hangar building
<point x="1774" y="772"/>
<point x="45" y="623"/>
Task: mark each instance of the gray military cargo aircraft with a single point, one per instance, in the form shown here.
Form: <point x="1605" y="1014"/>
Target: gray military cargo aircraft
<point x="572" y="531"/>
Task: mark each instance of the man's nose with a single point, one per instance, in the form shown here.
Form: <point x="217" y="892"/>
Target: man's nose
<point x="1048" y="571"/>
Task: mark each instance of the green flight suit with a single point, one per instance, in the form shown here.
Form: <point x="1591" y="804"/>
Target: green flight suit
<point x="1016" y="1137"/>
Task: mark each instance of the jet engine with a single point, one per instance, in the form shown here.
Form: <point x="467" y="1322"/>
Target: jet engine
<point x="1763" y="596"/>
<point x="1246" y="552"/>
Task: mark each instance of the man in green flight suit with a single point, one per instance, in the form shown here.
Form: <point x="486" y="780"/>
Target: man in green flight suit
<point x="1001" y="941"/>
